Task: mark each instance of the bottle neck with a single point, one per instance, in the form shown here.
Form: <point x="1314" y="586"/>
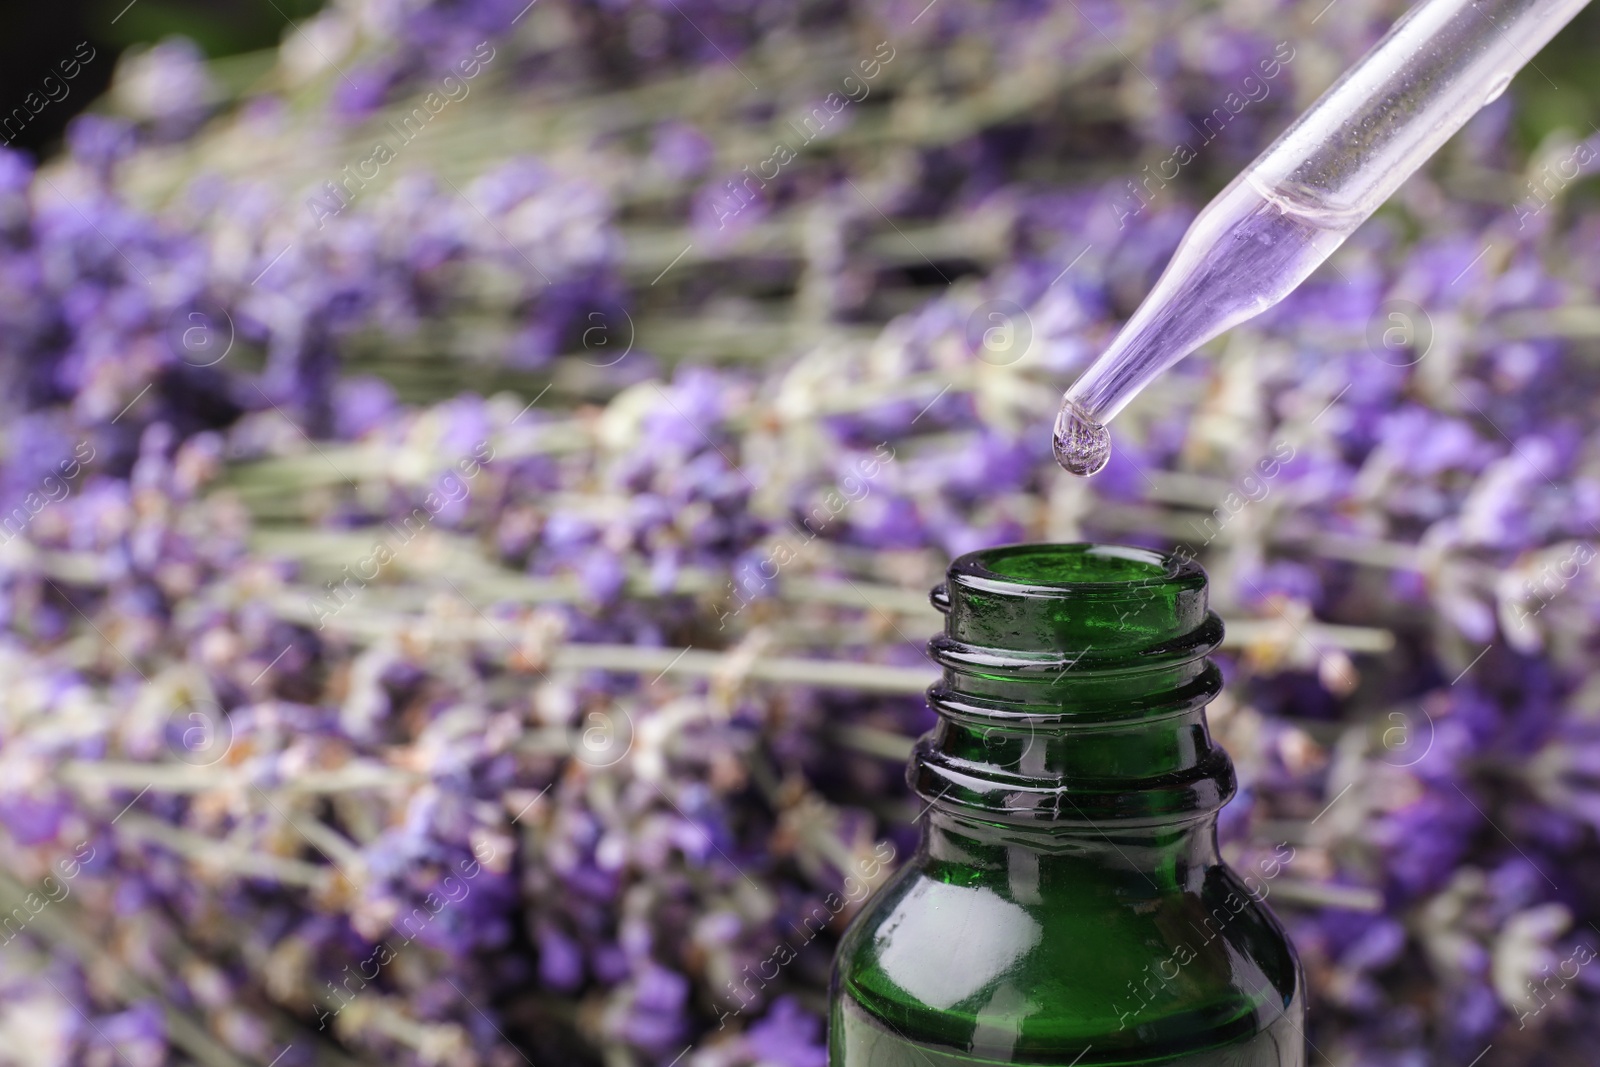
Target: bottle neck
<point x="1074" y="704"/>
<point x="1123" y="863"/>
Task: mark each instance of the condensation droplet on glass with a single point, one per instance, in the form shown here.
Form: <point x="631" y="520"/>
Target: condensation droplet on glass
<point x="1496" y="88"/>
<point x="1082" y="446"/>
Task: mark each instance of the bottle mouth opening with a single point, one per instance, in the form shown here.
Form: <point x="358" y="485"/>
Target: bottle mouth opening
<point x="1073" y="569"/>
<point x="1115" y="604"/>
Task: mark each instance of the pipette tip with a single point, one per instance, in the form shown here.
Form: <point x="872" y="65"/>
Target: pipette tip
<point x="1082" y="446"/>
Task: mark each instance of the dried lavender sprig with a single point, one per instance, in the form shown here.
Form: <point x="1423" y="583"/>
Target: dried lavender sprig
<point x="65" y="931"/>
<point x="185" y="778"/>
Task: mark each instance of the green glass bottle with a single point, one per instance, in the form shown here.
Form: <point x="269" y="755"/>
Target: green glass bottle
<point x="1067" y="904"/>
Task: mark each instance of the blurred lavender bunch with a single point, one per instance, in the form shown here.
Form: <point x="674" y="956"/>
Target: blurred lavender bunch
<point x="462" y="601"/>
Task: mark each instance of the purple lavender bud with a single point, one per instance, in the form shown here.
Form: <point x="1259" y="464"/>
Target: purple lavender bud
<point x="680" y="150"/>
<point x="787" y="1035"/>
<point x="99" y="142"/>
<point x="30" y="819"/>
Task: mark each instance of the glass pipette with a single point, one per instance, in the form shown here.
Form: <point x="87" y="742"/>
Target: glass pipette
<point x="1291" y="208"/>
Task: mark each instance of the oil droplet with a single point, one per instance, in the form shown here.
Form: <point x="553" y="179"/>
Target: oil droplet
<point x="1497" y="87"/>
<point x="1082" y="446"/>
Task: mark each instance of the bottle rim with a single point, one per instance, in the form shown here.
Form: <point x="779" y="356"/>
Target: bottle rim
<point x="1092" y="569"/>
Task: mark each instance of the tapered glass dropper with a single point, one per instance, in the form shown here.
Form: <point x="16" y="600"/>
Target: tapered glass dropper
<point x="1291" y="208"/>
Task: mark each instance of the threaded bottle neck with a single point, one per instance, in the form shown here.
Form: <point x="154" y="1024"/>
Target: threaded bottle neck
<point x="1075" y="683"/>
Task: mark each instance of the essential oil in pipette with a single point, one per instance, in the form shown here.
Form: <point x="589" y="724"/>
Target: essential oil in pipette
<point x="1082" y="446"/>
<point x="1246" y="251"/>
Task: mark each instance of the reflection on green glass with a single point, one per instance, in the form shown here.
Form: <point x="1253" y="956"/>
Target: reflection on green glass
<point x="1067" y="903"/>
